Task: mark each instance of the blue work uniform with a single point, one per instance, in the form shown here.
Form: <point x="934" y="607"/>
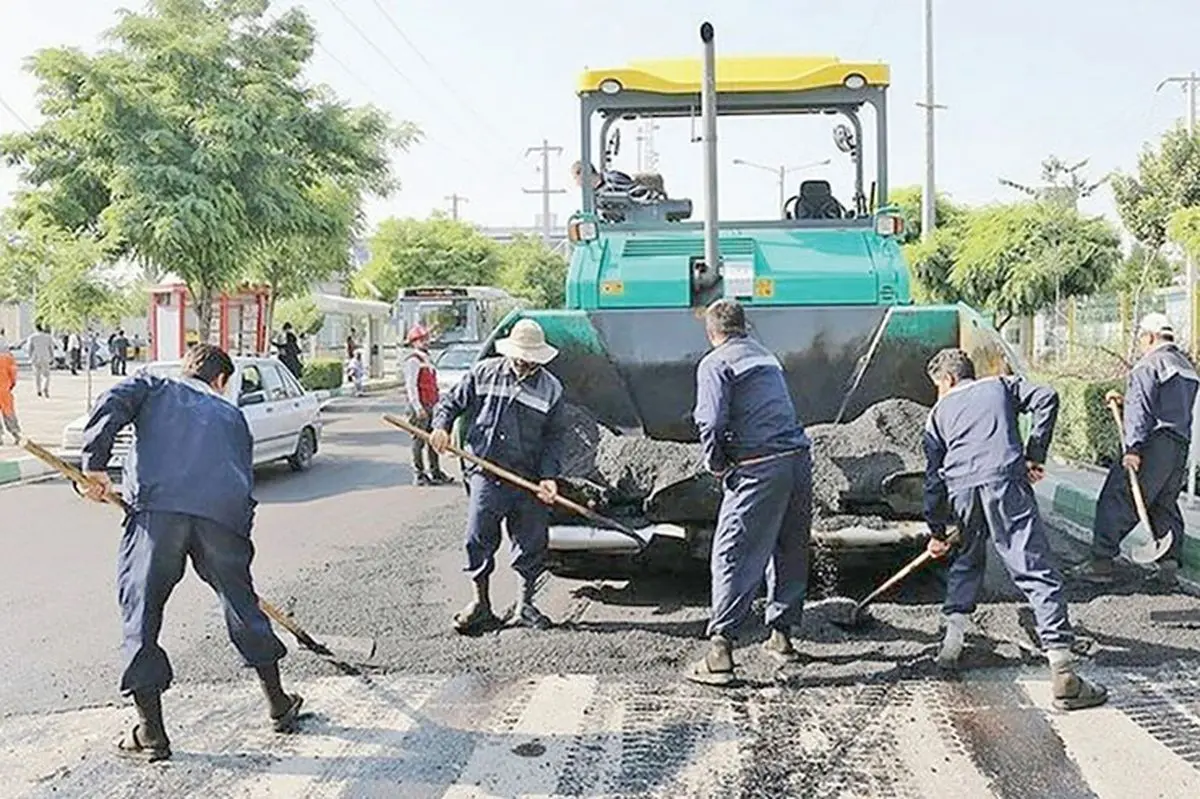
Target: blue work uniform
<point x="750" y="435"/>
<point x="1158" y="426"/>
<point x="188" y="481"/>
<point x="977" y="475"/>
<point x="517" y="424"/>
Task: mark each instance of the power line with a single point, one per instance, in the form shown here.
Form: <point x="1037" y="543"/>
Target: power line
<point x="16" y="116"/>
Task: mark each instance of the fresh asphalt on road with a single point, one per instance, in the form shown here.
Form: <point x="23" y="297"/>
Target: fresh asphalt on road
<point x="592" y="707"/>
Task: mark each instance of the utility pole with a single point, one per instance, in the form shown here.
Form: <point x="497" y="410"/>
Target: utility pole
<point x="929" y="190"/>
<point x="454" y="200"/>
<point x="1189" y="86"/>
<point x="781" y="172"/>
<point x="545" y="190"/>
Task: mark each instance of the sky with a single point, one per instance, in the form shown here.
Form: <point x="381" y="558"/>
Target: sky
<point x="1021" y="79"/>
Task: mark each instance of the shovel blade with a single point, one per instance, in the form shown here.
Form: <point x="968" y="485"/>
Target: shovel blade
<point x="1142" y="548"/>
<point x="354" y="649"/>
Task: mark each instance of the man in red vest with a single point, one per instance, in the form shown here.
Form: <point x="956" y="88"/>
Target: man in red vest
<point x="420" y="383"/>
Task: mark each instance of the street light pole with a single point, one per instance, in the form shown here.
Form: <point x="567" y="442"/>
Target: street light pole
<point x="1189" y="83"/>
<point x="781" y="172"/>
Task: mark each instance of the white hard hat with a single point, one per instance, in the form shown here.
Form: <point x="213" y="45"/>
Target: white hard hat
<point x="1156" y="324"/>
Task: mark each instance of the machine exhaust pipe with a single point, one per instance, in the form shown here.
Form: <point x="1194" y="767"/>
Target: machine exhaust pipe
<point x="708" y="114"/>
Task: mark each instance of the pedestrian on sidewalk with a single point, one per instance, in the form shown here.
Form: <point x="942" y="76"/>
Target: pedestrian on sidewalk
<point x="8" y="383"/>
<point x="421" y="388"/>
<point x="753" y="442"/>
<point x="200" y="508"/>
<point x="513" y="408"/>
<point x="355" y="372"/>
<point x="41" y="356"/>
<point x="289" y="351"/>
<point x="980" y="478"/>
<point x="118" y="353"/>
<point x="1158" y="403"/>
<point x="74" y="353"/>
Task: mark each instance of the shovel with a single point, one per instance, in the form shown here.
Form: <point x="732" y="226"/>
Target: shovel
<point x="520" y="481"/>
<point x="349" y="649"/>
<point x="1149" y="550"/>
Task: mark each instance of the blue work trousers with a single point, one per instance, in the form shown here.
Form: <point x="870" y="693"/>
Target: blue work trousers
<point x="762" y="531"/>
<point x="526" y="518"/>
<point x="1162" y="476"/>
<point x="154" y="551"/>
<point x="1006" y="513"/>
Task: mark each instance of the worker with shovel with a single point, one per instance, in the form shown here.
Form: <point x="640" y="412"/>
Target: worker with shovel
<point x="514" y="416"/>
<point x="754" y="443"/>
<point x="188" y="483"/>
<point x="1157" y="434"/>
<point x="979" y="477"/>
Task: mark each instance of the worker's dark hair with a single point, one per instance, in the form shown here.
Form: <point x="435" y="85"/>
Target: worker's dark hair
<point x="726" y="317"/>
<point x="207" y="362"/>
<point x="951" y="362"/>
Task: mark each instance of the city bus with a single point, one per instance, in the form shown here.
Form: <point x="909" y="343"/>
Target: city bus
<point x="453" y="314"/>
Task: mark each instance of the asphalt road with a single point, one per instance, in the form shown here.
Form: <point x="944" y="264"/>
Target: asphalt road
<point x="593" y="707"/>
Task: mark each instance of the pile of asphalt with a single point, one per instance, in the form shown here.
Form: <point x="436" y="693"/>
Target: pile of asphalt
<point x="664" y="481"/>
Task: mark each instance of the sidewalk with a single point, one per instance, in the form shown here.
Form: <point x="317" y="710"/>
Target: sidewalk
<point x="1068" y="497"/>
<point x="42" y="420"/>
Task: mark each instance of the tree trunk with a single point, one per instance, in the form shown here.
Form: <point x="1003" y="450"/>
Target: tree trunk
<point x="204" y="313"/>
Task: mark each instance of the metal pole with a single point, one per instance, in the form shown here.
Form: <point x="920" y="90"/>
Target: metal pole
<point x="928" y="195"/>
<point x="708" y="112"/>
<point x="782" y="190"/>
<point x="545" y="190"/>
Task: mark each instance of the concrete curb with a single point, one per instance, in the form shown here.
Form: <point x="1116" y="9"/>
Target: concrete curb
<point x="30" y="468"/>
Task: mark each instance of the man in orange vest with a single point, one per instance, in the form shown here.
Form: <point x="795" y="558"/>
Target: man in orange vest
<point x="420" y="383"/>
<point x="8" y="382"/>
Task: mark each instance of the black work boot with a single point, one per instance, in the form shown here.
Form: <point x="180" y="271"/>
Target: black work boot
<point x="147" y="741"/>
<point x="1072" y="692"/>
<point x="478" y="613"/>
<point x="284" y="708"/>
<point x="526" y="614"/>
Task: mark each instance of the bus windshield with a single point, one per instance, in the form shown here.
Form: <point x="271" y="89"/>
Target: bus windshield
<point x="449" y="321"/>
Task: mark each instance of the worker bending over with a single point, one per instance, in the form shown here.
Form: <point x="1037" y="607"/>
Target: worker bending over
<point x="754" y="443"/>
<point x="188" y="481"/>
<point x="1158" y="402"/>
<point x="514" y="411"/>
<point x="978" y="477"/>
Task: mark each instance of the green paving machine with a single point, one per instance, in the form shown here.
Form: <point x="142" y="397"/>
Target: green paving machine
<point x="826" y="286"/>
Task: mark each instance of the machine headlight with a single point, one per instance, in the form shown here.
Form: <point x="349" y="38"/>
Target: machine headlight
<point x="610" y="85"/>
<point x="887" y="225"/>
<point x="582" y="231"/>
<point x="855" y="81"/>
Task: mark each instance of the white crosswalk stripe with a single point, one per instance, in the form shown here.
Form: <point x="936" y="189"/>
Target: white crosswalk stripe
<point x="992" y="734"/>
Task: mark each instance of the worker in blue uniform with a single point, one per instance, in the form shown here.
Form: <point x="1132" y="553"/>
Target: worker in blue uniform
<point x="514" y="411"/>
<point x="754" y="443"/>
<point x="980" y="478"/>
<point x="188" y="482"/>
<point x="1158" y="405"/>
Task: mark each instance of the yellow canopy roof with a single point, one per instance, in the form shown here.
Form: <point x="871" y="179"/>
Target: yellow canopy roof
<point x="738" y="74"/>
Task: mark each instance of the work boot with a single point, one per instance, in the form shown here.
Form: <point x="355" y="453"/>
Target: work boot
<point x="1072" y="692"/>
<point x="717" y="666"/>
<point x="421" y="479"/>
<point x="1166" y="573"/>
<point x="1094" y="570"/>
<point x="478" y="612"/>
<point x="526" y="613"/>
<point x="284" y="708"/>
<point x="147" y="741"/>
<point x="441" y="478"/>
<point x="780" y="647"/>
<point x="952" y="640"/>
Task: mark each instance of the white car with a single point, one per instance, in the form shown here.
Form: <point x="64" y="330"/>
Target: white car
<point x="284" y="419"/>
<point x="454" y="362"/>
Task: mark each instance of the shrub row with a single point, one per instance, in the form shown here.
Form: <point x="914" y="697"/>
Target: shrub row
<point x="1086" y="432"/>
<point x="322" y="374"/>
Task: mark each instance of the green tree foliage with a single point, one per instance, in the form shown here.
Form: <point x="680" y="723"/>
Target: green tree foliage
<point x="532" y="271"/>
<point x="929" y="262"/>
<point x="78" y="293"/>
<point x="1017" y="259"/>
<point x="1183" y="228"/>
<point x="1167" y="180"/>
<point x="1140" y="271"/>
<point x="193" y="139"/>
<point x="303" y="313"/>
<point x="412" y="252"/>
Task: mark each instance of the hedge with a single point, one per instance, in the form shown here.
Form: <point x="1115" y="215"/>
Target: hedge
<point x="1086" y="432"/>
<point x="321" y="374"/>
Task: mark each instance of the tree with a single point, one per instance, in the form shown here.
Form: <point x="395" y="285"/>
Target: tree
<point x="303" y="313"/>
<point x="929" y="262"/>
<point x="532" y="271"/>
<point x="78" y="291"/>
<point x="1167" y="181"/>
<point x="412" y="252"/>
<point x="1017" y="259"/>
<point x="1183" y="228"/>
<point x="194" y="139"/>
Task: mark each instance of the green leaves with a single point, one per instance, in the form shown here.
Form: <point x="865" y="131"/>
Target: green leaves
<point x="1167" y="181"/>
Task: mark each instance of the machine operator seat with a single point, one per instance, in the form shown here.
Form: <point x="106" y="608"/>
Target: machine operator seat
<point x="815" y="201"/>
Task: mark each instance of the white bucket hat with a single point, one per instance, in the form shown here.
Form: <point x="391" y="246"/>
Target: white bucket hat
<point x="526" y="342"/>
<point x="1156" y="324"/>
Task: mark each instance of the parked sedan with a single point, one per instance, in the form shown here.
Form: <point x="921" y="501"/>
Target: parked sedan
<point x="284" y="419"/>
<point x="454" y="362"/>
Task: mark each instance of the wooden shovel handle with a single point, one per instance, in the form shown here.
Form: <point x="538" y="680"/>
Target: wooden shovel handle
<point x="1135" y="486"/>
<point x="81" y="480"/>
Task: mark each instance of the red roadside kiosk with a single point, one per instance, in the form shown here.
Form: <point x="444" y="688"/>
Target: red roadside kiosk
<point x="238" y="321"/>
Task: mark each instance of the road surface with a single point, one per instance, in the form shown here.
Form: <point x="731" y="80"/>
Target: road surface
<point x="592" y="708"/>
